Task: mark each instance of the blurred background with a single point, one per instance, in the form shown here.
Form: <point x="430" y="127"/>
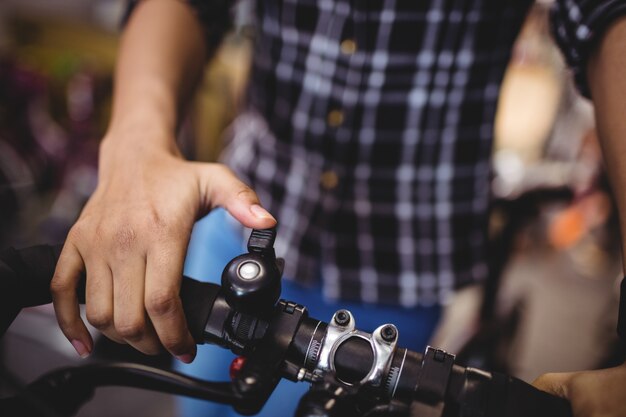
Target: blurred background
<point x="550" y="303"/>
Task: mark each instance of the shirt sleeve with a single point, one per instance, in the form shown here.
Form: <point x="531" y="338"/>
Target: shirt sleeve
<point x="577" y="26"/>
<point x="214" y="15"/>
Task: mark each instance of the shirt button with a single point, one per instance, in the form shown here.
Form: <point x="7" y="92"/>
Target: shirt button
<point x="348" y="46"/>
<point x="329" y="180"/>
<point x="335" y="118"/>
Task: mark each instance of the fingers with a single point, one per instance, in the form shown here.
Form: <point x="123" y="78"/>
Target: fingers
<point x="129" y="315"/>
<point x="99" y="299"/>
<point x="163" y="277"/>
<point x="63" y="289"/>
<point x="115" y="295"/>
<point x="115" y="298"/>
<point x="221" y="187"/>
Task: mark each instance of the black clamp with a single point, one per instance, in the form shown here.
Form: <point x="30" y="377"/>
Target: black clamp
<point x="433" y="383"/>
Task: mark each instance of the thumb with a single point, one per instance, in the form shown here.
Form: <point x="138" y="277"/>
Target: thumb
<point x="219" y="186"/>
<point x="554" y="383"/>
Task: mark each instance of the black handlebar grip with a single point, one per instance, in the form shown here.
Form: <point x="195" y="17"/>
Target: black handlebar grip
<point x="516" y="398"/>
<point x="26" y="274"/>
<point x="25" y="280"/>
<point x="25" y="277"/>
<point x="198" y="299"/>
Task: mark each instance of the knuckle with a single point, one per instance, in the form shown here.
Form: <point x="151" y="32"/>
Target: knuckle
<point x="100" y="232"/>
<point x="99" y="319"/>
<point x="244" y="193"/>
<point x="58" y="285"/>
<point x="161" y="302"/>
<point x="176" y="231"/>
<point x="131" y="329"/>
<point x="155" y="219"/>
<point x="77" y="232"/>
<point x="163" y="229"/>
<point x="125" y="238"/>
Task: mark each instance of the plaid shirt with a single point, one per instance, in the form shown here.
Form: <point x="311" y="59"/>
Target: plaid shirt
<point x="368" y="134"/>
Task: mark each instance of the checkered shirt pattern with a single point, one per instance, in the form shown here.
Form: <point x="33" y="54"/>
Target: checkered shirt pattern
<point x="368" y="134"/>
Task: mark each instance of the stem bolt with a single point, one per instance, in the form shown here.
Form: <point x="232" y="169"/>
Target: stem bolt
<point x="342" y="317"/>
<point x="389" y="333"/>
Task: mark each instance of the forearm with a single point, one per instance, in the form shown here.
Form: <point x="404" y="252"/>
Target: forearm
<point x="607" y="82"/>
<point x="161" y="58"/>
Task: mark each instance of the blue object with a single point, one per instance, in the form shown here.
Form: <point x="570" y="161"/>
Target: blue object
<point x="216" y="239"/>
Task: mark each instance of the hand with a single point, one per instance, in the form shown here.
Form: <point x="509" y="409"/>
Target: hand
<point x="131" y="240"/>
<point x="592" y="393"/>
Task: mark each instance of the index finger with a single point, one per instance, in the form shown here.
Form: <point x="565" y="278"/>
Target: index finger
<point x="164" y="271"/>
<point x="68" y="271"/>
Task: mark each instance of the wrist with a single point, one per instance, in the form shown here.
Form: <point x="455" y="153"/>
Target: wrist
<point x="143" y="111"/>
<point x="141" y="124"/>
<point x="139" y="132"/>
<point x="130" y="146"/>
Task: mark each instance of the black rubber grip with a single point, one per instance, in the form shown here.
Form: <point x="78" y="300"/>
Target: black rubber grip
<point x="25" y="277"/>
<point x="519" y="399"/>
<point x="26" y="274"/>
<point x="198" y="298"/>
<point x="25" y="280"/>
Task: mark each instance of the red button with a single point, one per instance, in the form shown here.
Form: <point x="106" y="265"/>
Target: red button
<point x="236" y="366"/>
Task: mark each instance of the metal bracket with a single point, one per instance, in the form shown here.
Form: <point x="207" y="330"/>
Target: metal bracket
<point x="383" y="355"/>
<point x="337" y="333"/>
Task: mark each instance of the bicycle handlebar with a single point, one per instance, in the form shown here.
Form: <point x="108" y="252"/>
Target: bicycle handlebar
<point x="285" y="342"/>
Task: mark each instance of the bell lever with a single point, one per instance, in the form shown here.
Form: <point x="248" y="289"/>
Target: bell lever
<point x="261" y="241"/>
